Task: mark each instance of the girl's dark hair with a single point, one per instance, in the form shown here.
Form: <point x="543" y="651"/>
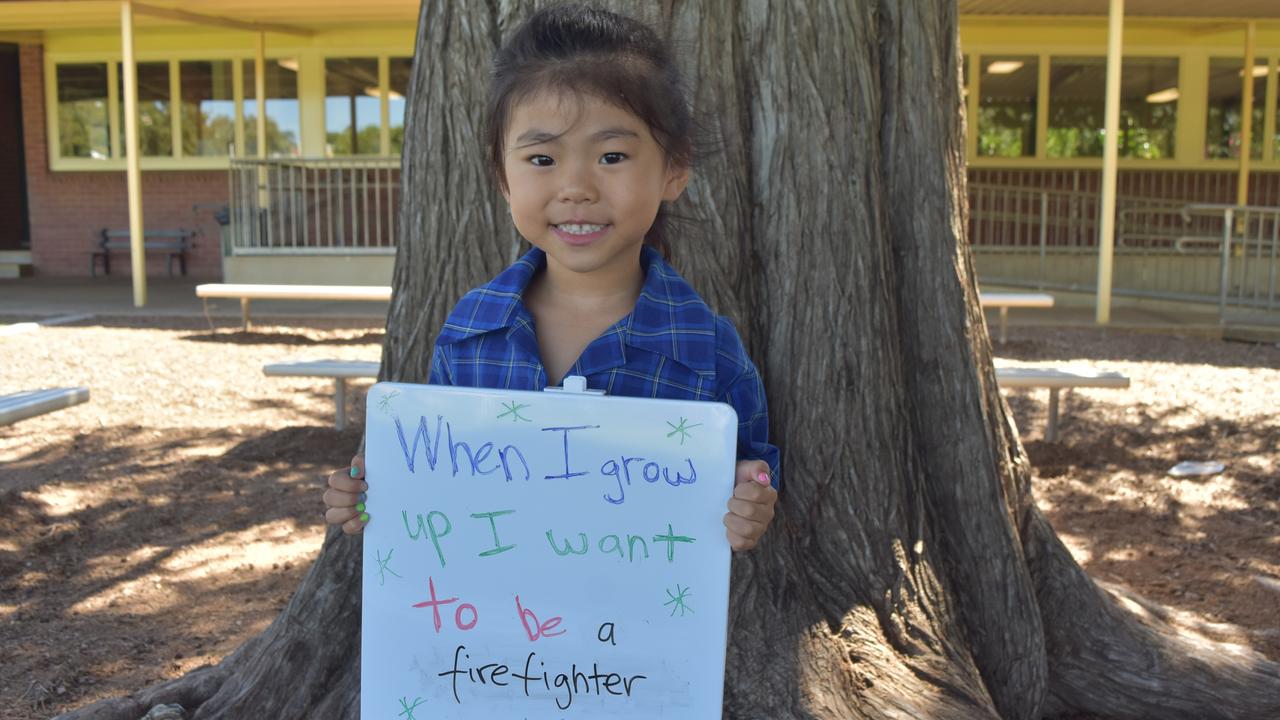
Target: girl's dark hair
<point x="588" y="51"/>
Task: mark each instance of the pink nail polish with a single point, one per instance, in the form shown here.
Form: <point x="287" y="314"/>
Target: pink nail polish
<point x="763" y="478"/>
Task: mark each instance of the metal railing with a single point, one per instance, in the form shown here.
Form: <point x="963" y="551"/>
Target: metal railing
<point x="1170" y="250"/>
<point x="283" y="206"/>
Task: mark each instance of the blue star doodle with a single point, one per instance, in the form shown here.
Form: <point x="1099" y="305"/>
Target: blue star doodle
<point x="513" y="409"/>
<point x="382" y="566"/>
<point x="683" y="429"/>
<point x="384" y="402"/>
<point x="678" y="601"/>
<point x="407" y="711"/>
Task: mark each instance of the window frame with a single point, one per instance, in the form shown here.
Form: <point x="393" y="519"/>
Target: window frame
<point x="384" y="96"/>
<point x="1192" y="106"/>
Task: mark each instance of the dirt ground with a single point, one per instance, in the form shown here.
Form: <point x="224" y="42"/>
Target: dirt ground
<point x="155" y="528"/>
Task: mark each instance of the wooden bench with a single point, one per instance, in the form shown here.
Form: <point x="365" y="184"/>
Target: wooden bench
<point x="1004" y="301"/>
<point x="248" y="293"/>
<point x="176" y="242"/>
<point x="339" y="370"/>
<point x="23" y="405"/>
<point x="1055" y="379"/>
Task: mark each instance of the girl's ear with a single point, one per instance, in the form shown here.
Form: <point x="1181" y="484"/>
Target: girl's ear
<point x="677" y="180"/>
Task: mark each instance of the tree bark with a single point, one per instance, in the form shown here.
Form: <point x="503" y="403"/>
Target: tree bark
<point x="908" y="573"/>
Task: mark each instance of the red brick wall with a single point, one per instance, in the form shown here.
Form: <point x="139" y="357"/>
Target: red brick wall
<point x="67" y="209"/>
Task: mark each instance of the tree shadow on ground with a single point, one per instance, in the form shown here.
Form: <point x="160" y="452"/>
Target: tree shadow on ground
<point x="1187" y="542"/>
<point x="276" y="337"/>
<point x="1057" y="344"/>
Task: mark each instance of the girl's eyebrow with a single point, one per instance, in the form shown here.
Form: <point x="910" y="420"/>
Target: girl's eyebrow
<point x="534" y="136"/>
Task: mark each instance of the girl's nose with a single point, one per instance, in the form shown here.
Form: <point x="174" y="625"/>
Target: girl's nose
<point x="578" y="186"/>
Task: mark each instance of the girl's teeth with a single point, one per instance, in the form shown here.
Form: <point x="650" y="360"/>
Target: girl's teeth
<point x="580" y="229"/>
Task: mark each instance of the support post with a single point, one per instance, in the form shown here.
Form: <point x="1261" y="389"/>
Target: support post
<point x="340" y="401"/>
<point x="133" y="168"/>
<point x="1246" y="114"/>
<point x="1051" y="432"/>
<point x="1107" y="239"/>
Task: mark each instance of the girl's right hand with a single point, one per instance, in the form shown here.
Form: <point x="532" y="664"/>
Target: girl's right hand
<point x="344" y="500"/>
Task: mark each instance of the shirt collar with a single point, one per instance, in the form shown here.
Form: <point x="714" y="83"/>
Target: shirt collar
<point x="667" y="314"/>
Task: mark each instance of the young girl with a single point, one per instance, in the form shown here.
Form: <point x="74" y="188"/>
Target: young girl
<point x="589" y="133"/>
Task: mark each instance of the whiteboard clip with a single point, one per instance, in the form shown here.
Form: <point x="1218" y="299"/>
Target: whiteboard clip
<point x="575" y="384"/>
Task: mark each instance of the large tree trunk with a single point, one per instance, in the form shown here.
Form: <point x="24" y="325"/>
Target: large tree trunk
<point x="908" y="573"/>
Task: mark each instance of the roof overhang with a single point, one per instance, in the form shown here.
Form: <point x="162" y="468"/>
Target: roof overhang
<point x="298" y="17"/>
<point x="1151" y="9"/>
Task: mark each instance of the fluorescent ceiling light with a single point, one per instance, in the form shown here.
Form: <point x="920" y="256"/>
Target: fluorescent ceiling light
<point x="1258" y="71"/>
<point x="1163" y="96"/>
<point x="375" y="92"/>
<point x="288" y="63"/>
<point x="1004" y="67"/>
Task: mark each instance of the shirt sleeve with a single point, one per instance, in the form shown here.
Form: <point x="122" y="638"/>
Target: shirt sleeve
<point x="745" y="392"/>
<point x="439" y="373"/>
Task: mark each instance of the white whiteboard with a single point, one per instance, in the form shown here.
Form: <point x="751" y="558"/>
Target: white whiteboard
<point x="575" y="545"/>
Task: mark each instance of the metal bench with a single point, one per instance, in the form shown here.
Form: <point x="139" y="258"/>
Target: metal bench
<point x="247" y="293"/>
<point x="1004" y="301"/>
<point x="23" y="405"/>
<point x="339" y="370"/>
<point x="1055" y="379"/>
<point x="176" y="242"/>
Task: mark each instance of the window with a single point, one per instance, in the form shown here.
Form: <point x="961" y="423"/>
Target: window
<point x="83" y="130"/>
<point x="208" y="107"/>
<point x="1226" y="89"/>
<point x="281" y="94"/>
<point x="1007" y="106"/>
<point x="155" y="125"/>
<point x="400" y="70"/>
<point x="352" y="107"/>
<point x="1077" y="103"/>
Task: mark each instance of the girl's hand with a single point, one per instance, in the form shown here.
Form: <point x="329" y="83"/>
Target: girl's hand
<point x="751" y="507"/>
<point x="344" y="500"/>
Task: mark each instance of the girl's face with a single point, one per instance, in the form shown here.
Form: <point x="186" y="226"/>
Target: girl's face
<point x="584" y="180"/>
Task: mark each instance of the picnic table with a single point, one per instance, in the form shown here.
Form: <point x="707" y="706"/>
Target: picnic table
<point x="249" y="292"/>
<point x="1004" y="301"/>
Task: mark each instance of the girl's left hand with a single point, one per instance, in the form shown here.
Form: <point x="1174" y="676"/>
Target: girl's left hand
<point x="751" y="507"/>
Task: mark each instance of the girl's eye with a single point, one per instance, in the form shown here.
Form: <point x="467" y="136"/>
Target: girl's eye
<point x="612" y="158"/>
<point x="541" y="161"/>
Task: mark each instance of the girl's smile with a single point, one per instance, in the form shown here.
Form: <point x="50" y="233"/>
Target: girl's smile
<point x="580" y="233"/>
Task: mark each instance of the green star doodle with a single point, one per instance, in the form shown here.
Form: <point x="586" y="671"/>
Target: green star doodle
<point x="382" y="567"/>
<point x="513" y="409"/>
<point x="384" y="402"/>
<point x="678" y="600"/>
<point x="408" y="709"/>
<point x="683" y="428"/>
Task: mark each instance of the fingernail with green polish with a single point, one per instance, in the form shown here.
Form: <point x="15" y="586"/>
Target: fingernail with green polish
<point x="355" y="471"/>
<point x="360" y="507"/>
<point x="364" y="517"/>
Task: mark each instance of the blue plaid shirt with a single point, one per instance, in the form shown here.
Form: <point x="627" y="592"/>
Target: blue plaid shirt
<point x="670" y="346"/>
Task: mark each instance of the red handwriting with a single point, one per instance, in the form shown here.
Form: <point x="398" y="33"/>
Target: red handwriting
<point x="434" y="603"/>
<point x="537" y="629"/>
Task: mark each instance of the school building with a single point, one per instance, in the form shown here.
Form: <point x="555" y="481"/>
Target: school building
<point x="270" y="133"/>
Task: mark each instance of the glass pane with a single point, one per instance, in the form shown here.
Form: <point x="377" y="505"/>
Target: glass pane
<point x="1226" y="88"/>
<point x="281" y="79"/>
<point x="82" y="111"/>
<point x="1007" y="108"/>
<point x="400" y="69"/>
<point x="155" y="130"/>
<point x="208" y="107"/>
<point x="352" y="112"/>
<point x="1148" y="107"/>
